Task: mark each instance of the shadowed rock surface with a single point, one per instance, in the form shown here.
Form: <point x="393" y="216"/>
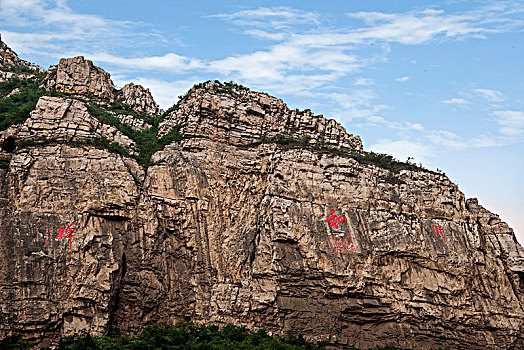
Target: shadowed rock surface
<point x="221" y="228"/>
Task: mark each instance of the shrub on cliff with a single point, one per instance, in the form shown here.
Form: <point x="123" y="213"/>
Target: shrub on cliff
<point x="16" y="108"/>
<point x="385" y="161"/>
<point x="188" y="336"/>
<point x="146" y="140"/>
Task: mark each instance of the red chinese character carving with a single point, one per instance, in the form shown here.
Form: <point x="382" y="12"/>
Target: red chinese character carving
<point x="48" y="230"/>
<point x="438" y="231"/>
<point x="68" y="231"/>
<point x="335" y="220"/>
<point x="331" y="244"/>
<point x="342" y="243"/>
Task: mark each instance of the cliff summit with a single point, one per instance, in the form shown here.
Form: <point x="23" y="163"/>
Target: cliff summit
<point x="232" y="208"/>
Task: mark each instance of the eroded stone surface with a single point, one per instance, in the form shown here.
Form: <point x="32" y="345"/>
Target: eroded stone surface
<point x="79" y="76"/>
<point x="12" y="66"/>
<point x="222" y="230"/>
<point x="66" y="119"/>
<point x="139" y="98"/>
<point x="212" y="212"/>
<point x="242" y="117"/>
<point x="54" y="290"/>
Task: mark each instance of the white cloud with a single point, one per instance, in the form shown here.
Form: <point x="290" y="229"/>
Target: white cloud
<point x="455" y="100"/>
<point x="444" y="138"/>
<point x="271" y="17"/>
<point x="417" y="27"/>
<point x="403" y="149"/>
<point x="490" y="95"/>
<point x="262" y="34"/>
<point x="167" y="62"/>
<point x="405" y="126"/>
<point x="280" y="63"/>
<point x="363" y="82"/>
<point x="417" y="127"/>
<point x="57" y="31"/>
<point x="320" y="53"/>
<point x="164" y="92"/>
<point x="511" y="122"/>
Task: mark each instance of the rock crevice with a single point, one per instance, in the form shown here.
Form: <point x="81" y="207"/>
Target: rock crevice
<point x="217" y="232"/>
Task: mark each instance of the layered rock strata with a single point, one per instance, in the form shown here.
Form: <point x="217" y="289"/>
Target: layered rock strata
<point x="242" y="117"/>
<point x="80" y="77"/>
<point x="224" y="229"/>
<point x="66" y="120"/>
<point x="139" y="98"/>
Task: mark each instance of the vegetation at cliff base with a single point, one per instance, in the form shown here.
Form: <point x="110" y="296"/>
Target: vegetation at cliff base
<point x="188" y="336"/>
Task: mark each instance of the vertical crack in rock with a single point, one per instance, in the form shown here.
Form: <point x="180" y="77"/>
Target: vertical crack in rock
<point x="228" y="225"/>
<point x="118" y="283"/>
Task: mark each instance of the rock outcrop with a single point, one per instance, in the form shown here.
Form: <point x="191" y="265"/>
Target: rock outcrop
<point x="140" y="99"/>
<point x="241" y="117"/>
<point x="79" y="76"/>
<point x="222" y="228"/>
<point x="68" y="120"/>
<point x="12" y="66"/>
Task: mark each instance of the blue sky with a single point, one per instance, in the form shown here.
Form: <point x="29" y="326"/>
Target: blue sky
<point x="441" y="83"/>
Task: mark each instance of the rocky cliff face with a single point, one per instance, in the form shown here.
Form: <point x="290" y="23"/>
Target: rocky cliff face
<point x="79" y="77"/>
<point x="12" y="66"/>
<point x="224" y="228"/>
<point x="236" y="115"/>
<point x="140" y="99"/>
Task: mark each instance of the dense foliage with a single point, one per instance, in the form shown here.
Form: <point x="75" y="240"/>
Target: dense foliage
<point x="146" y="140"/>
<point x="188" y="336"/>
<point x="16" y="108"/>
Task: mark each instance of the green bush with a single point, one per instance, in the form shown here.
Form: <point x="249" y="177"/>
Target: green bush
<point x="23" y="69"/>
<point x="187" y="336"/>
<point x="147" y="142"/>
<point x="4" y="164"/>
<point x="15" y="109"/>
<point x="385" y="161"/>
<point x="34" y="142"/>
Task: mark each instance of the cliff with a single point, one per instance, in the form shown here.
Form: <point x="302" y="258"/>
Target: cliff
<point x="226" y="223"/>
<point x="12" y="66"/>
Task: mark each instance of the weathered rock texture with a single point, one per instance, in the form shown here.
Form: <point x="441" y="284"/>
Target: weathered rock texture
<point x="242" y="117"/>
<point x="140" y="99"/>
<point x="79" y="76"/>
<point x="134" y="122"/>
<point x="221" y="230"/>
<point x="12" y="66"/>
<point x="65" y="119"/>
